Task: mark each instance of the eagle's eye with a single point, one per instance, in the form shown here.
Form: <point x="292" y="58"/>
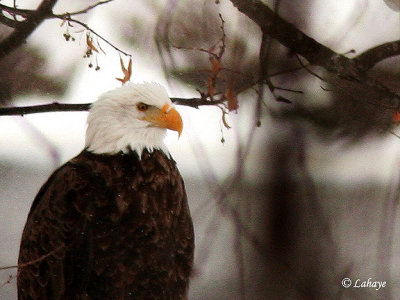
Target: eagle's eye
<point x="142" y="106"/>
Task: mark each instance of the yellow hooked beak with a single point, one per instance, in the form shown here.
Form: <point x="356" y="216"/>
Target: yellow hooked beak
<point x="166" y="117"/>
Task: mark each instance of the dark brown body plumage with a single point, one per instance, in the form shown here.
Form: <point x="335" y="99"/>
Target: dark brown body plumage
<point x="108" y="227"/>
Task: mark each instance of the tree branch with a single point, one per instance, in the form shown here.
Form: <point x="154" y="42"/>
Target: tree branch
<point x="85" y="10"/>
<point x="26" y="264"/>
<point x="343" y="68"/>
<point x="369" y="58"/>
<point x="64" y="107"/>
<point x="197" y="102"/>
<point x="17" y="11"/>
<point x="22" y="29"/>
<point x="29" y="12"/>
<point x="53" y="107"/>
<point x="25" y="28"/>
<point x="8" y="22"/>
<point x="84" y="25"/>
<point x="286" y="33"/>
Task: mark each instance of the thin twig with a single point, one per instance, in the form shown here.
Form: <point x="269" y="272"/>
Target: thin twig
<point x="83" y="11"/>
<point x="32" y="262"/>
<point x="395" y="134"/>
<point x="305" y="67"/>
<point x="84" y="25"/>
<point x="288" y="90"/>
<point x="196" y="49"/>
<point x="17" y="11"/>
<point x="8" y="281"/>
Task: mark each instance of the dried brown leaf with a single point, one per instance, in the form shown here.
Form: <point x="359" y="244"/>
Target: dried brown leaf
<point x="89" y="42"/>
<point x="126" y="71"/>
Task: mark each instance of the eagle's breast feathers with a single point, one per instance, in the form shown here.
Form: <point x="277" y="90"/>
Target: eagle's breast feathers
<point x="121" y="223"/>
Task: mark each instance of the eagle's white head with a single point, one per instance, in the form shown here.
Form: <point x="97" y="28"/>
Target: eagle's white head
<point x="134" y="116"/>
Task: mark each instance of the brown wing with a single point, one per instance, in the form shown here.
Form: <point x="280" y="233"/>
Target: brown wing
<point x="55" y="248"/>
<point x="108" y="227"/>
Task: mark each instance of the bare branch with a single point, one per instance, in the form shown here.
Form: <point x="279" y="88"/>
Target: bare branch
<point x="34" y="18"/>
<point x="285" y="32"/>
<point x="342" y="69"/>
<point x="197" y="102"/>
<point x="288" y="35"/>
<point x="25" y="28"/>
<point x="305" y="67"/>
<point x="8" y="281"/>
<point x="29" y="12"/>
<point x="8" y="22"/>
<point x="83" y="11"/>
<point x="84" y="25"/>
<point x="317" y="54"/>
<point x="17" y="11"/>
<point x="369" y="58"/>
<point x="196" y="49"/>
<point x="53" y="107"/>
<point x="43" y="257"/>
<point x="64" y="107"/>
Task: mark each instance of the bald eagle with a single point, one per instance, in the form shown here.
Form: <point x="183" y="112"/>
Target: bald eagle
<point x="113" y="222"/>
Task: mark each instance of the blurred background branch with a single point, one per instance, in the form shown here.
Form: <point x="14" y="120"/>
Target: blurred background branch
<point x="24" y="28"/>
